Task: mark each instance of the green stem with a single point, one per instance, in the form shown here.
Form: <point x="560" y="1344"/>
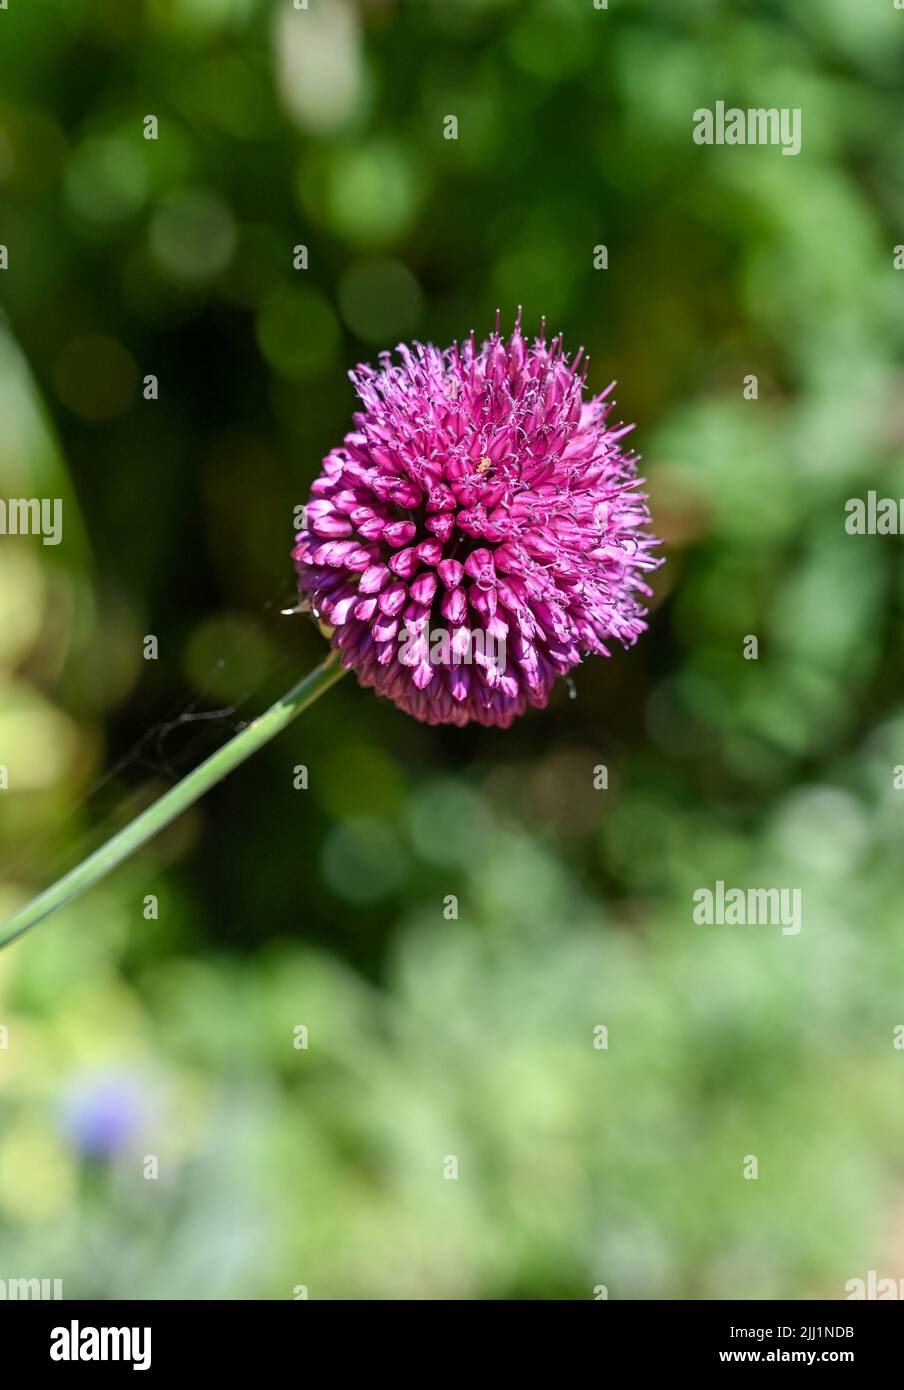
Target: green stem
<point x="175" y="801"/>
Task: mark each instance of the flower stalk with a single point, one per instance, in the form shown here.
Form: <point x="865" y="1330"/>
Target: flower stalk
<point x="173" y="802"/>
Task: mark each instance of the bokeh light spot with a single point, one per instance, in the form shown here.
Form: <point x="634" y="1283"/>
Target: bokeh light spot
<point x="297" y="331"/>
<point x="362" y="860"/>
<point x="192" y="235"/>
<point x="95" y="377"/>
<point x="106" y="180"/>
<point x="380" y="300"/>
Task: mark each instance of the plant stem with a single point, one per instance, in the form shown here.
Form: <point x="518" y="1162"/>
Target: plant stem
<point x="175" y="801"/>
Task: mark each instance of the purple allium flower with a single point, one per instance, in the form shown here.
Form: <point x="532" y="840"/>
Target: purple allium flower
<point x="479" y="496"/>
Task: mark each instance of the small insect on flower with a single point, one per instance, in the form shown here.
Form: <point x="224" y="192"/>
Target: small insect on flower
<point x="478" y="493"/>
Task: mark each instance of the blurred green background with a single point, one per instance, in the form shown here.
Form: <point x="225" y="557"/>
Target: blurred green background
<point x="323" y="1166"/>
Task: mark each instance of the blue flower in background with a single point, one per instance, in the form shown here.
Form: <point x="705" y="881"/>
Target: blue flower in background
<point x="100" y="1113"/>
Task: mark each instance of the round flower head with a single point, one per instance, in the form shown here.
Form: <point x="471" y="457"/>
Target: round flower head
<point x="478" y="532"/>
